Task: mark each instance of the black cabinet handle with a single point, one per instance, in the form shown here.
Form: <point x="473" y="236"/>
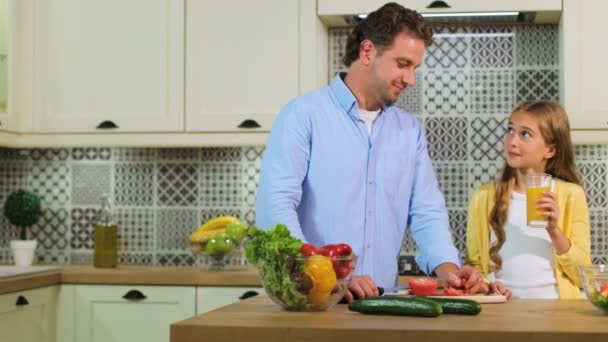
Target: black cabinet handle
<point x="249" y="124"/>
<point x="134" y="295"/>
<point x="248" y="294"/>
<point x="438" y="4"/>
<point x="107" y="124"/>
<point x="21" y="301"/>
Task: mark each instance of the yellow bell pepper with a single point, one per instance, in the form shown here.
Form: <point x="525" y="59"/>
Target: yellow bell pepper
<point x="321" y="272"/>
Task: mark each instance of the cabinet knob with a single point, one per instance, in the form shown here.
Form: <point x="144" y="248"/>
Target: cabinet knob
<point x="248" y="294"/>
<point x="134" y="295"/>
<point x="249" y="124"/>
<point x="21" y="301"/>
<point x="438" y="4"/>
<point x="107" y="124"/>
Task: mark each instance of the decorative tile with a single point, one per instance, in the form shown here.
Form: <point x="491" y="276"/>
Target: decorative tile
<point x="458" y="227"/>
<point x="410" y="99"/>
<point x="136" y="230"/>
<point x="483" y="172"/>
<point x="445" y="92"/>
<point x="253" y="153"/>
<point x="249" y="217"/>
<point x="447" y="138"/>
<point x="486" y="30"/>
<point x="136" y="258"/>
<point x="599" y="232"/>
<point x="177" y="185"/>
<point x="52" y="256"/>
<point x="591" y="152"/>
<point x="597" y="260"/>
<point x="174" y="226"/>
<point x="91" y="153"/>
<point x="492" y="91"/>
<point x="454" y="183"/>
<point x="8" y="232"/>
<point x="134" y="184"/>
<point x="250" y="183"/>
<point x="594" y="179"/>
<point x="208" y="213"/>
<point x="6" y="257"/>
<point x="408" y="245"/>
<point x="89" y="183"/>
<point x="537" y="84"/>
<point x="221" y="184"/>
<point x="52" y="229"/>
<point x="135" y="154"/>
<point x="492" y="50"/>
<point x="83" y="234"/>
<point x="13" y="176"/>
<point x="13" y="154"/>
<point x="180" y="154"/>
<point x="82" y="258"/>
<point x="221" y="154"/>
<point x="175" y="259"/>
<point x="51" y="182"/>
<point x="49" y="154"/>
<point x="487" y="137"/>
<point x="450" y="49"/>
<point x="537" y="45"/>
<point x="337" y="43"/>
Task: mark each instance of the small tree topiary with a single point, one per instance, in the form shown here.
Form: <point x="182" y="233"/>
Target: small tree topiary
<point x="22" y="208"/>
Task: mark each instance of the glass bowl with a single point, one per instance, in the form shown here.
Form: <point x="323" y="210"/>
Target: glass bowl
<point x="220" y="253"/>
<point x="313" y="283"/>
<point x="595" y="281"/>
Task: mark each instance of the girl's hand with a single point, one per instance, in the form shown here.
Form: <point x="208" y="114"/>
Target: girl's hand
<point x="548" y="202"/>
<point x="498" y="287"/>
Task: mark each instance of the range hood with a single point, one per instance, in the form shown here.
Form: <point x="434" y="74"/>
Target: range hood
<point x="342" y="13"/>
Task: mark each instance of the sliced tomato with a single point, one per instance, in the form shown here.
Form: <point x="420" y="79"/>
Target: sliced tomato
<point x="450" y="291"/>
<point x="423" y="286"/>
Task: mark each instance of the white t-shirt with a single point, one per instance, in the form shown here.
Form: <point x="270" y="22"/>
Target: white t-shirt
<point x="368" y="117"/>
<point x="527" y="256"/>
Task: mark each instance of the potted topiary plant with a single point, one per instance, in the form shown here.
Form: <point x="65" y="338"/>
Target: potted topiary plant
<point x="22" y="209"/>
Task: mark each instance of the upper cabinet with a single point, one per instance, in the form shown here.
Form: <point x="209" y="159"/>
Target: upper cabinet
<point x="108" y="65"/>
<point x="584" y="59"/>
<point x="241" y="68"/>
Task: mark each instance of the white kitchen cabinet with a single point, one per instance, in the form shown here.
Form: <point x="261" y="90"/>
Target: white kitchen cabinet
<point x="108" y="63"/>
<point x="210" y="298"/>
<point x="29" y="316"/>
<point x="584" y="57"/>
<point x="105" y="314"/>
<point x="246" y="66"/>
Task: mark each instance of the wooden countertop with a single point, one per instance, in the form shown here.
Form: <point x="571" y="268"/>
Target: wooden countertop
<point x="258" y="319"/>
<point x="131" y="275"/>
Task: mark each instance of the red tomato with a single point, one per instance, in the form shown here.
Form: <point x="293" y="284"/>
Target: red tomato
<point x="450" y="291"/>
<point x="423" y="286"/>
<point x="308" y="250"/>
<point x="604" y="290"/>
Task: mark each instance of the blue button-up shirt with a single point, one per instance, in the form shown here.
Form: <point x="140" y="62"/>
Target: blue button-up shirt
<point x="330" y="182"/>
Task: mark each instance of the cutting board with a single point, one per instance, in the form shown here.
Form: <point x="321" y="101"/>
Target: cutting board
<point x="480" y="298"/>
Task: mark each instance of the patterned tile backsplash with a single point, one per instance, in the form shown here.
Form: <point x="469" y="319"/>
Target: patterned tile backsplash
<point x="471" y="79"/>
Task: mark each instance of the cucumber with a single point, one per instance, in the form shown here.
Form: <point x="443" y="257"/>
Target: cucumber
<point x="458" y="306"/>
<point x="394" y="305"/>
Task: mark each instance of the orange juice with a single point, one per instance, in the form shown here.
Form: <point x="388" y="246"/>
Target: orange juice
<point x="535" y="219"/>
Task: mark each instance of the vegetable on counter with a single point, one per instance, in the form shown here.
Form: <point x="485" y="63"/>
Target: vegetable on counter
<point x="394" y="305"/>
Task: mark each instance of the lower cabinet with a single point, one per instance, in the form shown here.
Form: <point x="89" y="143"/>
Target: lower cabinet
<point x="29" y="315"/>
<point x="211" y="298"/>
<point x="108" y="313"/>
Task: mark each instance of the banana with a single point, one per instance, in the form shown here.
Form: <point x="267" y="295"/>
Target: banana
<point x="211" y="228"/>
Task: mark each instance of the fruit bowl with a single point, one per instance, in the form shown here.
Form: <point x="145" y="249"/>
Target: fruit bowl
<point x="313" y="283"/>
<point x="595" y="281"/>
<point x="219" y="242"/>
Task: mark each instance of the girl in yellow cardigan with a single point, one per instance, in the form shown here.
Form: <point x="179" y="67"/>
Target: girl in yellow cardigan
<point x="523" y="261"/>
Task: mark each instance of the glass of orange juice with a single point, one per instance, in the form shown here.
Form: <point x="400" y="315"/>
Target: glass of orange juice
<point x="536" y="184"/>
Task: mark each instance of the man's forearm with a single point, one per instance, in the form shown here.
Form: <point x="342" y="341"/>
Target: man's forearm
<point x="443" y="271"/>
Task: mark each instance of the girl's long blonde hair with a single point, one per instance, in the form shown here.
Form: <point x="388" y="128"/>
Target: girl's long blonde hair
<point x="555" y="130"/>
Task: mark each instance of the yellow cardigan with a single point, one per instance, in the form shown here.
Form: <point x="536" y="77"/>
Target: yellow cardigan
<point x="573" y="221"/>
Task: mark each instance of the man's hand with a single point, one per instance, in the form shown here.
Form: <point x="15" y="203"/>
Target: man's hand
<point x="466" y="277"/>
<point x="498" y="287"/>
<point x="361" y="286"/>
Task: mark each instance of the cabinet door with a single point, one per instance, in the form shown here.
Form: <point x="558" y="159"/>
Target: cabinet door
<point x="104" y="314"/>
<point x="211" y="298"/>
<point x="118" y="61"/>
<point x="28" y="316"/>
<point x="242" y="60"/>
<point x="584" y="58"/>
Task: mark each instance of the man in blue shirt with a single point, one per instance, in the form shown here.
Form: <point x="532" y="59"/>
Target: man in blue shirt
<point x="344" y="165"/>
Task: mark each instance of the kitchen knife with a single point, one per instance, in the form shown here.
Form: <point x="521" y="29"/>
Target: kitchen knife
<point x="381" y="291"/>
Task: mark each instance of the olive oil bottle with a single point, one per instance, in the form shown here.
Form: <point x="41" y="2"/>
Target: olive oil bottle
<point x="106" y="236"/>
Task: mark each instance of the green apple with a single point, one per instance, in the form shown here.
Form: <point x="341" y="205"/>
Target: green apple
<point x="219" y="245"/>
<point x="236" y="231"/>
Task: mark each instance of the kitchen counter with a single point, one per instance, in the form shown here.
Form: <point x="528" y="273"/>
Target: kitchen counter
<point x="258" y="319"/>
